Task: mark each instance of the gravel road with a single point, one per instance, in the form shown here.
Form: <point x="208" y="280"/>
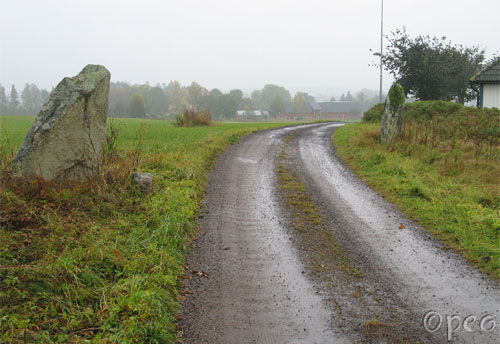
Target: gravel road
<point x="251" y="279"/>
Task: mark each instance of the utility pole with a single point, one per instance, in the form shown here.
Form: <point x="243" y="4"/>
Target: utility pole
<point x="381" y="47"/>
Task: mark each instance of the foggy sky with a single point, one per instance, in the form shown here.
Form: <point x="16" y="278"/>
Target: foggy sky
<point x="318" y="46"/>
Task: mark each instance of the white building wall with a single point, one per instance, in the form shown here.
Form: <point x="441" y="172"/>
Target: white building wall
<point x="491" y="96"/>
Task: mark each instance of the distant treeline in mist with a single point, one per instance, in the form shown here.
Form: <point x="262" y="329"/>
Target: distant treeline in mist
<point x="162" y="100"/>
<point x="169" y="100"/>
<point x="28" y="103"/>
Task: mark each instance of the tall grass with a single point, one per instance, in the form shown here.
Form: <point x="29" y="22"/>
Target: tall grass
<point x="443" y="171"/>
<point x="99" y="261"/>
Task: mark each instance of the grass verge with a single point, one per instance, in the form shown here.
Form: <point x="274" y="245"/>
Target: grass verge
<point x="455" y="197"/>
<point x="349" y="291"/>
<point x="98" y="262"/>
<point x="308" y="222"/>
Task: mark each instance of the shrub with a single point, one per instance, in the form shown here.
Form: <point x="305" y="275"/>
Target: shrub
<point x="192" y="118"/>
<point x="425" y="110"/>
<point x="374" y="114"/>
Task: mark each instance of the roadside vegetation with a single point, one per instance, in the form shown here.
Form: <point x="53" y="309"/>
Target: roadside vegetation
<point x="100" y="261"/>
<point x="442" y="171"/>
<point x="193" y="118"/>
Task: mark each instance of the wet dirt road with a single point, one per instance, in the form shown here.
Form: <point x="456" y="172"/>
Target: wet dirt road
<point x="252" y="280"/>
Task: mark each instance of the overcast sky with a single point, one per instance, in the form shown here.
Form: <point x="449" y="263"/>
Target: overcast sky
<point x="318" y="46"/>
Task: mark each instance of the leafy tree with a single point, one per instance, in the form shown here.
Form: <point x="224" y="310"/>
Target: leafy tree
<point x="45" y="95"/>
<point x="248" y="110"/>
<point x="332" y="99"/>
<point x="27" y="99"/>
<point x="31" y="99"/>
<point x="177" y="98"/>
<point x="215" y="93"/>
<point x="277" y="107"/>
<point x="299" y="102"/>
<point x="195" y="95"/>
<point x="248" y="104"/>
<point x="270" y="91"/>
<point x="119" y="99"/>
<point x="227" y="106"/>
<point x="212" y="101"/>
<point x="257" y="99"/>
<point x="13" y="98"/>
<point x="137" y="105"/>
<point x="156" y="101"/>
<point x="308" y="97"/>
<point x="432" y="68"/>
<point x="237" y="95"/>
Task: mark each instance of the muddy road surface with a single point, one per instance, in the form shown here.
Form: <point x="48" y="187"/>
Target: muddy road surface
<point x="296" y="249"/>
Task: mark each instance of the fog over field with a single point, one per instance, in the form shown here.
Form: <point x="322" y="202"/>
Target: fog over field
<point x="317" y="46"/>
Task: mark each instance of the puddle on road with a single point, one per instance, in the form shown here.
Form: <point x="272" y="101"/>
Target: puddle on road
<point x="247" y="161"/>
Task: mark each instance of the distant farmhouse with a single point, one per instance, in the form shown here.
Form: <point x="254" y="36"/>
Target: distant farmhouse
<point x="487" y="84"/>
<point x="322" y="110"/>
<point x="252" y="113"/>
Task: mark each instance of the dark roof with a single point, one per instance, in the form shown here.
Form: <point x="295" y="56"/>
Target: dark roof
<point x="315" y="106"/>
<point x="490" y="74"/>
<point x="339" y="107"/>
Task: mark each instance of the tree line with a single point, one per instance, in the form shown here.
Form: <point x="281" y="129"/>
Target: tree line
<point x="139" y="101"/>
<point x="28" y="103"/>
<point x="171" y="99"/>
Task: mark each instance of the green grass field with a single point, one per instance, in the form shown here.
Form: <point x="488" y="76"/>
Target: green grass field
<point x="99" y="261"/>
<point x="447" y="188"/>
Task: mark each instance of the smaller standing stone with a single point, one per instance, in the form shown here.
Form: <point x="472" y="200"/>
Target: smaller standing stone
<point x="392" y="120"/>
<point x="142" y="181"/>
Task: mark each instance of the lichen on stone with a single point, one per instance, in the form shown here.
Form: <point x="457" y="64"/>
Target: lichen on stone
<point x="396" y="97"/>
<point x="392" y="120"/>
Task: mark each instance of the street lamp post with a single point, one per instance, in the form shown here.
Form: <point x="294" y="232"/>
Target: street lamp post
<point x="381" y="47"/>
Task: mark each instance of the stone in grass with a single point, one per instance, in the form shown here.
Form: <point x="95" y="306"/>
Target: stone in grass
<point x="142" y="181"/>
<point x="392" y="120"/>
<point x="66" y="142"/>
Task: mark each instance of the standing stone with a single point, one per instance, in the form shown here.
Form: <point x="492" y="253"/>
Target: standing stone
<point x="392" y="120"/>
<point x="66" y="142"/>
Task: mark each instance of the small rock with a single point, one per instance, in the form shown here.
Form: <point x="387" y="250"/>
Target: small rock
<point x="143" y="181"/>
<point x="486" y="259"/>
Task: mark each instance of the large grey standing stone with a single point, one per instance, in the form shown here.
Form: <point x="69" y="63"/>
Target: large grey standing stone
<point x="392" y="120"/>
<point x="67" y="140"/>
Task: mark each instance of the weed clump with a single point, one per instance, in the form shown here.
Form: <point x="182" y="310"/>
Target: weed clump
<point x="192" y="118"/>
